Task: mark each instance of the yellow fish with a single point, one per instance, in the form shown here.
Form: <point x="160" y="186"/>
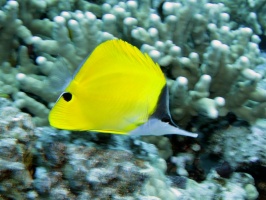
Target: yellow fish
<point x="118" y="89"/>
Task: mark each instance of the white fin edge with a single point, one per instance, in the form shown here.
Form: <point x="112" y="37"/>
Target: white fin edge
<point x="157" y="127"/>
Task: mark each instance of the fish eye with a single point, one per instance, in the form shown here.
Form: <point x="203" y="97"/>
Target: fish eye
<point x="67" y="96"/>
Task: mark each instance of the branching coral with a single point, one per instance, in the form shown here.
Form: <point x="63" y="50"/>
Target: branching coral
<point x="208" y="60"/>
<point x="249" y="13"/>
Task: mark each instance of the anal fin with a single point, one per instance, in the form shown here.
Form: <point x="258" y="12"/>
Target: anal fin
<point x="157" y="127"/>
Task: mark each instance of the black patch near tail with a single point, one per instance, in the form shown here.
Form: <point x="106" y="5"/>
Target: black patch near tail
<point x="162" y="111"/>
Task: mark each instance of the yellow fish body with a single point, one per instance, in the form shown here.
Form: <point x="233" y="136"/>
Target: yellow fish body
<point x="118" y="89"/>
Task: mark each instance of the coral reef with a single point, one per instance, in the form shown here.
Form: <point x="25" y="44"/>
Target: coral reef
<point x="44" y="163"/>
<point x="250" y="149"/>
<point x="249" y="13"/>
<point x="208" y="60"/>
<point x="238" y="186"/>
<point x="16" y="134"/>
<point x="162" y="143"/>
<point x="210" y="55"/>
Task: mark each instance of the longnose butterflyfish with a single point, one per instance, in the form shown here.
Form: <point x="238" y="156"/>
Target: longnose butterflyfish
<point x="119" y="90"/>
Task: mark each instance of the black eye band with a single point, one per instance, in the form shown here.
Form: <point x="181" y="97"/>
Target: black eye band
<point x="67" y="96"/>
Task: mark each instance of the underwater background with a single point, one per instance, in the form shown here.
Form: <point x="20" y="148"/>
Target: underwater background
<point x="212" y="53"/>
